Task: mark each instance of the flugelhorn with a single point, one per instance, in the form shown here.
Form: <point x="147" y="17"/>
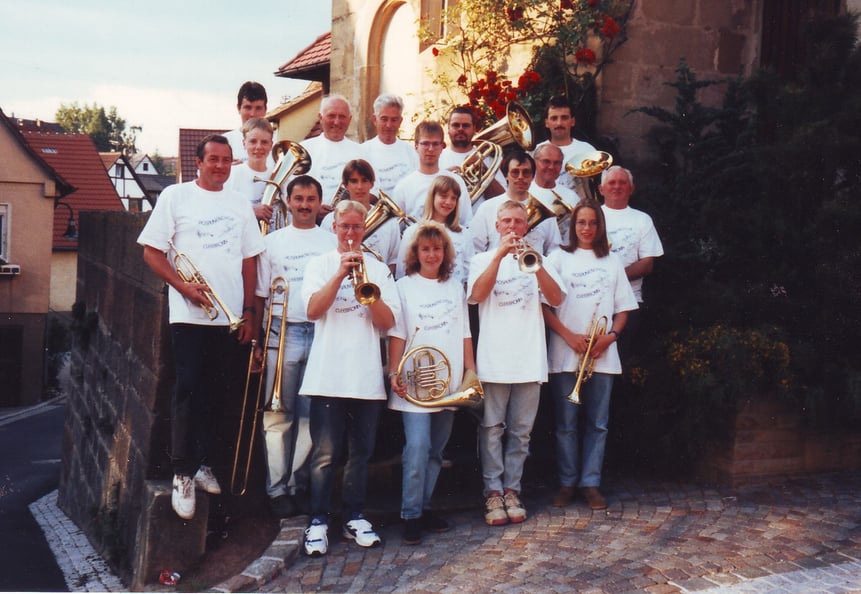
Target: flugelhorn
<point x="188" y="272"/>
<point x="428" y="382"/>
<point x="477" y="174"/>
<point x="585" y="166"/>
<point x="366" y="292"/>
<point x="278" y="292"/>
<point x="598" y="327"/>
<point x="290" y="158"/>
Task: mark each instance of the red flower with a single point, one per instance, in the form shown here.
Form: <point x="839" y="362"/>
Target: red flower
<point x="461" y="80"/>
<point x="434" y="51"/>
<point x="610" y="28"/>
<point x="585" y="56"/>
<point x="514" y="12"/>
<point x="566" y="4"/>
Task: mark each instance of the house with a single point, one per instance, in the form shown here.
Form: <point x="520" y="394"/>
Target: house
<point x="297" y="118"/>
<point x="150" y="179"/>
<point x="75" y="158"/>
<point x="189" y="138"/>
<point x="126" y="181"/>
<point x="30" y="192"/>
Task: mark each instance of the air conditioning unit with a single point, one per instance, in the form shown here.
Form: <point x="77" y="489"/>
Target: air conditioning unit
<point x="9" y="269"/>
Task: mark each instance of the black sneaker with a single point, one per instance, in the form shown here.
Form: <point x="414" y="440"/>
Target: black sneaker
<point x="434" y="523"/>
<point x="282" y="506"/>
<point x="412" y="531"/>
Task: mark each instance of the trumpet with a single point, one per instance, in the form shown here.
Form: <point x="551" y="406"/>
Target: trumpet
<point x="189" y="273"/>
<point x="278" y="292"/>
<point x="428" y="382"/>
<point x="290" y="158"/>
<point x="366" y="292"/>
<point x="587" y="361"/>
<point x="528" y="258"/>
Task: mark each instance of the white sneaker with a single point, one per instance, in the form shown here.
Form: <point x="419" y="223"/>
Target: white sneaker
<point x="316" y="540"/>
<point x="362" y="532"/>
<point x="182" y="497"/>
<point x="206" y="481"/>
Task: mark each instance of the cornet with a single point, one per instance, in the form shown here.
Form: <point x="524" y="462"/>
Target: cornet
<point x="366" y="292"/>
<point x="189" y="273"/>
<point x="587" y="361"/>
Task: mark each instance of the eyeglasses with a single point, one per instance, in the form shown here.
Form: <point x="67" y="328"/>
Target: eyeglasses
<point x="430" y="144"/>
<point x="519" y="173"/>
<point x="344" y="227"/>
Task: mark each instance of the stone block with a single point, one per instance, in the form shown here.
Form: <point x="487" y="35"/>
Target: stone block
<point x="164" y="540"/>
<point x="675" y="12"/>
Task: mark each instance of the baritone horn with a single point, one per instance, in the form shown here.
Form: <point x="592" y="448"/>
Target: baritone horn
<point x="366" y="292"/>
<point x="278" y="292"/>
<point x="515" y="127"/>
<point x="585" y="166"/>
<point x="290" y="158"/>
<point x="477" y="174"/>
<point x="188" y="272"/>
<point x="598" y="327"/>
<point x="428" y="382"/>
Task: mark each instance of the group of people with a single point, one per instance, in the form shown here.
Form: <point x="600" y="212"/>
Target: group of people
<point x="538" y="288"/>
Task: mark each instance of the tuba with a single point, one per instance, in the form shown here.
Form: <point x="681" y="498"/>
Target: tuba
<point x="290" y="158"/>
<point x="278" y="292"/>
<point x="189" y="273"/>
<point x="428" y="382"/>
<point x="366" y="292"/>
<point x="587" y="362"/>
<point x="585" y="166"/>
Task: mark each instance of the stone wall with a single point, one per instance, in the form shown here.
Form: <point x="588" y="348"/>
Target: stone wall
<point x="116" y="430"/>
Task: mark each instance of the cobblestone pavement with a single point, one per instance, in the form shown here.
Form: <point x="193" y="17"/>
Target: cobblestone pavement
<point x="799" y="535"/>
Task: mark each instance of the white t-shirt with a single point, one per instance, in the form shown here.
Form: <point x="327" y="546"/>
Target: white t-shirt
<point x="217" y="231"/>
<point x="544" y="237"/>
<point x="391" y="162"/>
<point x="242" y="180"/>
<point x="412" y="191"/>
<point x="438" y="310"/>
<point x="288" y="251"/>
<point x="632" y="236"/>
<point x="569" y="151"/>
<point x="386" y="240"/>
<point x="449" y="159"/>
<point x="546" y="195"/>
<point x="511" y="347"/>
<point x="463" y="252"/>
<point x="328" y="160"/>
<point x="345" y="361"/>
<point x="595" y="287"/>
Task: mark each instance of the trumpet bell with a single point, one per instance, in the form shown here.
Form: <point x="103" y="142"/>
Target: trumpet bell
<point x="515" y="127"/>
<point x="528" y="259"/>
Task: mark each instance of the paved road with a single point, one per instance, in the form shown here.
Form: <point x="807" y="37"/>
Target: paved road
<point x="801" y="535"/>
<point x="30" y="447"/>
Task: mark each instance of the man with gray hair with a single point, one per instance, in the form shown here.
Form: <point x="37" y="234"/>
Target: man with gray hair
<point x="391" y="157"/>
<point x="331" y="150"/>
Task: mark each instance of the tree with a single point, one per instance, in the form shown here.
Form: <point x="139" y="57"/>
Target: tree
<point x="108" y="130"/>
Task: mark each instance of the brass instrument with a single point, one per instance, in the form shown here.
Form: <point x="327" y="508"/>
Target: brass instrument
<point x="428" y="382"/>
<point x="528" y="259"/>
<point x="561" y="208"/>
<point x="290" y="158"/>
<point x="189" y="273"/>
<point x="477" y="174"/>
<point x="278" y="291"/>
<point x="587" y="362"/>
<point x="342" y="193"/>
<point x="585" y="166"/>
<point x="514" y="127"/>
<point x="536" y="213"/>
<point x="384" y="209"/>
<point x="366" y="292"/>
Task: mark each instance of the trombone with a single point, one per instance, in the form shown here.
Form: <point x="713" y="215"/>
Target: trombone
<point x="587" y="361"/>
<point x="188" y="272"/>
<point x="278" y="292"/>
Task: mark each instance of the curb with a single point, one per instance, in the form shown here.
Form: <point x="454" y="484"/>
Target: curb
<point x="29" y="411"/>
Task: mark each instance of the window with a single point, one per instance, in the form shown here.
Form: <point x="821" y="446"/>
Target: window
<point x="146" y="166"/>
<point x="119" y="170"/>
<point x="784" y="42"/>
<point x="4" y="232"/>
<point x="432" y="12"/>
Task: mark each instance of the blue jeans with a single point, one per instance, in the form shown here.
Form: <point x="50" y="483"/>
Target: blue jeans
<point x="426" y="436"/>
<point x="286" y="436"/>
<point x="330" y="418"/>
<point x="509" y="413"/>
<point x="595" y="404"/>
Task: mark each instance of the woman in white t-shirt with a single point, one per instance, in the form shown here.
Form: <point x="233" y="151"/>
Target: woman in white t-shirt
<point x="434" y="314"/>
<point x="443" y="206"/>
<point x="596" y="287"/>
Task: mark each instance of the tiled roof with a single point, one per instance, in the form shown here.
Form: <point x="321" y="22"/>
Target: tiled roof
<point x="110" y="158"/>
<point x="36" y="125"/>
<point x="312" y="58"/>
<point x="74" y="157"/>
<point x="189" y="138"/>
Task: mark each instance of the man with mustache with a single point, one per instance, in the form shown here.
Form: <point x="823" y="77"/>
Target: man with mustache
<point x="559" y="121"/>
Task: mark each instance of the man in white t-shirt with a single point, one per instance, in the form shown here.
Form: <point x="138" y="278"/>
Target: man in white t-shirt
<point x="391" y="157"/>
<point x="519" y="170"/>
<point x="461" y="130"/>
<point x="633" y="238"/>
<point x="250" y="103"/>
<point x="331" y="150"/>
<point x="559" y="120"/>
<point x="411" y="192"/>
<point x="287" y="438"/>
<point x="344" y="375"/>
<point x="511" y="360"/>
<point x="548" y="164"/>
<point x="217" y="233"/>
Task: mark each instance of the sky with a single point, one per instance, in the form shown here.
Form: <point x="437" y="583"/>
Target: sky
<point x="163" y="64"/>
